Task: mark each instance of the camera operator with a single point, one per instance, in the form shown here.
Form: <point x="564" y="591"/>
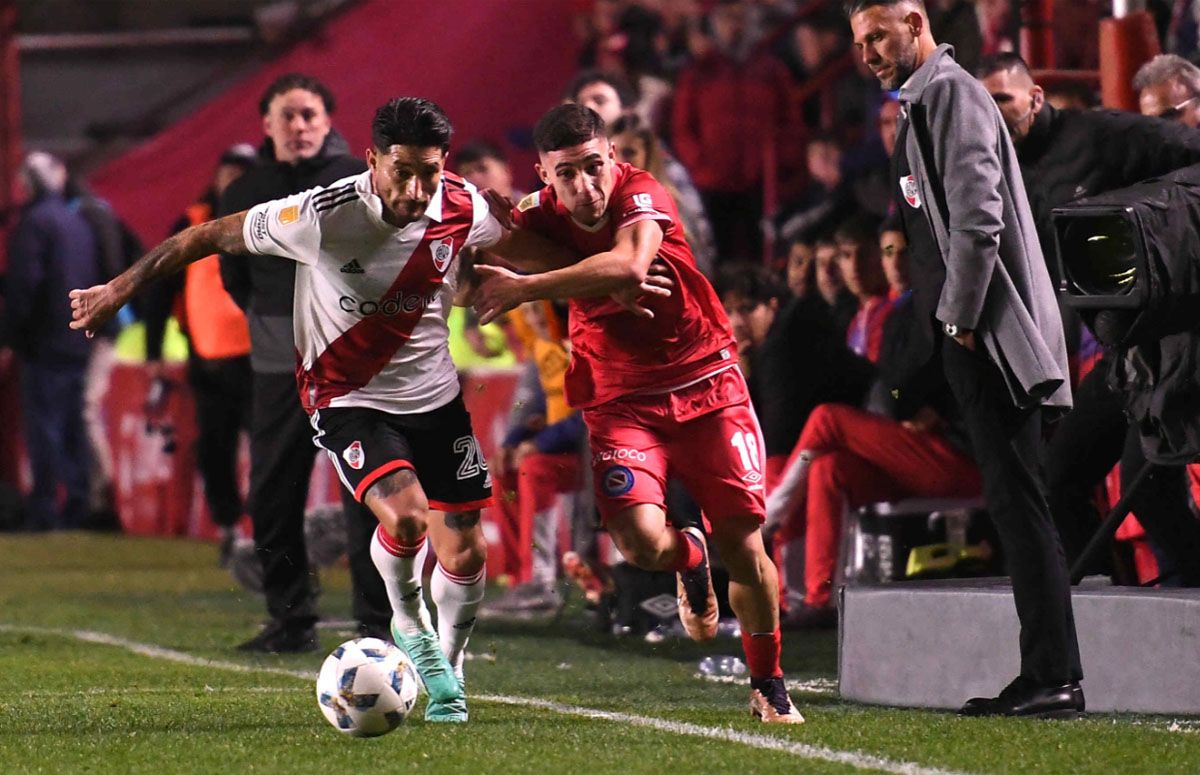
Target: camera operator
<point x="1065" y="155"/>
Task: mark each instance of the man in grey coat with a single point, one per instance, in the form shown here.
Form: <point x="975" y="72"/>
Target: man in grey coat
<point x="980" y="279"/>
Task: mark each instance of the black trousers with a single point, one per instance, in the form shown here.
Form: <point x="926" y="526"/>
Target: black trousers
<point x="1084" y="448"/>
<point x="281" y="460"/>
<point x="1006" y="442"/>
<point x="221" y="389"/>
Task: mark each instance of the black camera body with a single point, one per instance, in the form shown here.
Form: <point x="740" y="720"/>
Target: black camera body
<point x="1134" y="252"/>
<point x="1129" y="261"/>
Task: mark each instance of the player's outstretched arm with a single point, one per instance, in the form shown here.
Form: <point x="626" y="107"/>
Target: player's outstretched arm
<point x="526" y="250"/>
<point x="624" y="268"/>
<point x="531" y="252"/>
<point x="92" y="307"/>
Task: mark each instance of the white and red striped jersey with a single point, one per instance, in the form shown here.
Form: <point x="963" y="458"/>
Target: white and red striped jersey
<point x="371" y="300"/>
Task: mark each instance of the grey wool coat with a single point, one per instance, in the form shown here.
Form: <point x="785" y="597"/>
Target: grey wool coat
<point x="969" y="181"/>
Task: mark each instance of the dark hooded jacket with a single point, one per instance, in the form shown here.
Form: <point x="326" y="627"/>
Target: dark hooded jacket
<point x="263" y="285"/>
<point x="51" y="250"/>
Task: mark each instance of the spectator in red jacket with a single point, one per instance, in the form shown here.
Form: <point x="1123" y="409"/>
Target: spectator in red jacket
<point x="728" y="106"/>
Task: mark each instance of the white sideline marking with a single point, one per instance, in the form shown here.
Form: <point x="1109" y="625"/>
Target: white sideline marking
<point x="763" y="742"/>
<point x="101" y="691"/>
<point x="854" y="759"/>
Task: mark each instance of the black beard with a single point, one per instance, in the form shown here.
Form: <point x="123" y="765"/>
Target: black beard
<point x="903" y="70"/>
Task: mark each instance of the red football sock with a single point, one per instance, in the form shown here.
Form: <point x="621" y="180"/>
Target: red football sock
<point x="688" y="553"/>
<point x="762" y="654"/>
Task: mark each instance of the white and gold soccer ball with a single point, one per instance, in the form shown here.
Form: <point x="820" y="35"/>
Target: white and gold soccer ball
<point x="367" y="687"/>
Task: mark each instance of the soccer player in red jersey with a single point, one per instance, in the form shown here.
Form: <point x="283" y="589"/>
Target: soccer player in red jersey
<point x="661" y="396"/>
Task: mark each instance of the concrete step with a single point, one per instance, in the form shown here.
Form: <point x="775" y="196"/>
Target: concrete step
<point x="934" y="644"/>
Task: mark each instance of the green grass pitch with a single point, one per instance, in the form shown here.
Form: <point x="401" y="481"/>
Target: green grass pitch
<point x="116" y="655"/>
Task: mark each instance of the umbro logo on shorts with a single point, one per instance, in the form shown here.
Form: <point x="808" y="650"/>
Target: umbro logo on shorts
<point x="353" y="267"/>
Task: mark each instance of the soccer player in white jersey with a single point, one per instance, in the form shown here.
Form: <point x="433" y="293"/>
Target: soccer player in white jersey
<point x="377" y="273"/>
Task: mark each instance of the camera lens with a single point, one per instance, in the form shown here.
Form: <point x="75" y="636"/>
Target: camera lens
<point x="1101" y="256"/>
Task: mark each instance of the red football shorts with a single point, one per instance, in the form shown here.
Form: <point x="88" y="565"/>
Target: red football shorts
<point x="706" y="435"/>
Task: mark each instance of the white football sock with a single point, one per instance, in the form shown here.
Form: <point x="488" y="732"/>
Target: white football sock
<point x="400" y="566"/>
<point x="457" y="599"/>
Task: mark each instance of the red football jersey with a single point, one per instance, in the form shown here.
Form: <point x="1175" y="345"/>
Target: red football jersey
<point x="613" y="352"/>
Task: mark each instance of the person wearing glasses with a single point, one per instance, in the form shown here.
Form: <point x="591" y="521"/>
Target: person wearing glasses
<point x="1168" y="86"/>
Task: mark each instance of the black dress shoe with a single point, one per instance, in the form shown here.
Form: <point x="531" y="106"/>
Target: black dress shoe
<point x="283" y="637"/>
<point x="1023" y="697"/>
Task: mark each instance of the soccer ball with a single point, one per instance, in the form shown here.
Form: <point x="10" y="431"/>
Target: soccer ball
<point x="367" y="687"/>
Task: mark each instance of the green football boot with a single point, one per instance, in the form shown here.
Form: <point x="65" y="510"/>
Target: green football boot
<point x="447" y="700"/>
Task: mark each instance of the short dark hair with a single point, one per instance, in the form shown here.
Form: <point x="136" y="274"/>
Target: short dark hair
<point x="893" y="222"/>
<point x="565" y="126"/>
<point x="861" y="228"/>
<point x="285" y="83"/>
<point x="852" y="7"/>
<point x="754" y="282"/>
<point x="624" y="89"/>
<point x="1002" y="62"/>
<point x="411" y="121"/>
<point x="477" y="151"/>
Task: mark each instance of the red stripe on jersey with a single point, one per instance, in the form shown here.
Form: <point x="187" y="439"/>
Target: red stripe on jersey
<point x="363" y="350"/>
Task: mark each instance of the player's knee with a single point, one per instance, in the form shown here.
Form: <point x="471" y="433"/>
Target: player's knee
<point x="399" y="503"/>
<point x="739" y="541"/>
<point x="642" y="536"/>
<point x="642" y="550"/>
<point x="405" y="519"/>
<point x="407" y="525"/>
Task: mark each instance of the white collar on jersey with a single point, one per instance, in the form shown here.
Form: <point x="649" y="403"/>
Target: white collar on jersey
<point x="433" y="210"/>
<point x="595" y="227"/>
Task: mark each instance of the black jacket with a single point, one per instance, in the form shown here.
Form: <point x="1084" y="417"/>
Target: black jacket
<point x="910" y="378"/>
<point x="263" y="285"/>
<point x="802" y="363"/>
<point x="1071" y="154"/>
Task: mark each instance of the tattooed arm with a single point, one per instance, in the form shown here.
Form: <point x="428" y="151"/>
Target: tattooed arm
<point x="92" y="307"/>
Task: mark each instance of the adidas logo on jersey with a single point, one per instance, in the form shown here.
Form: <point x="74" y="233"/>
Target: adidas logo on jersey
<point x="352" y="267"/>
